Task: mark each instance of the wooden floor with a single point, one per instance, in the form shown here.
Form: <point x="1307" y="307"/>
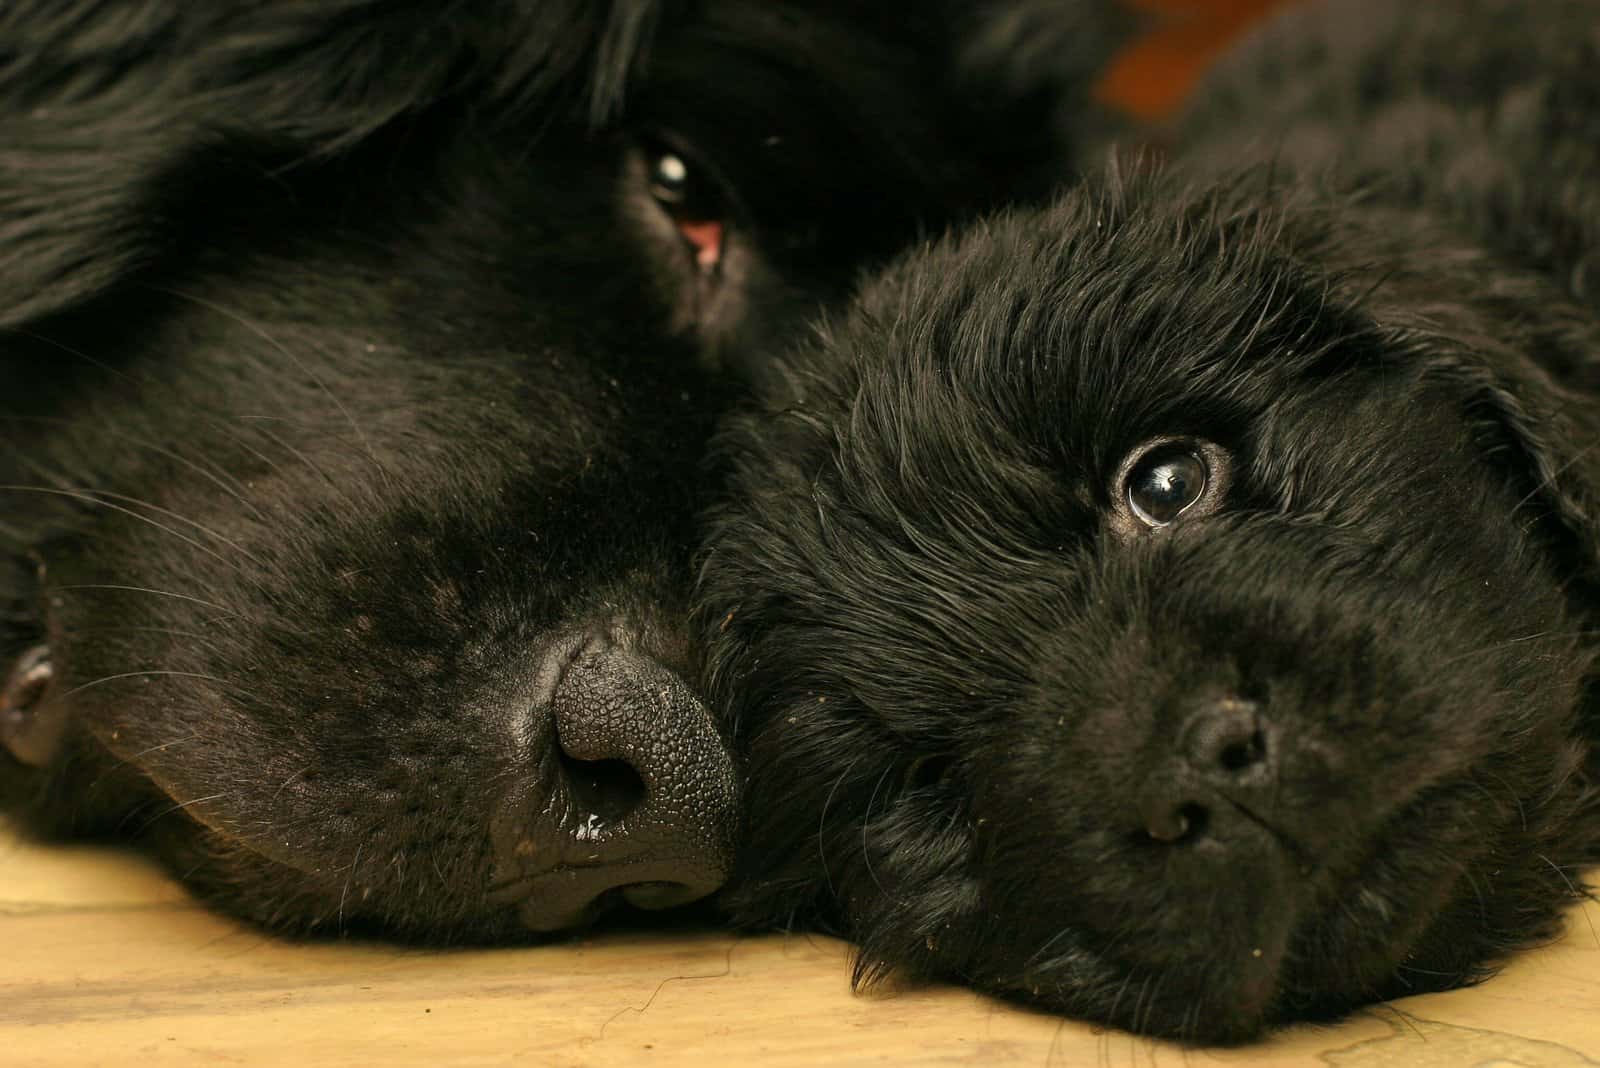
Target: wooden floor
<point x="104" y="961"/>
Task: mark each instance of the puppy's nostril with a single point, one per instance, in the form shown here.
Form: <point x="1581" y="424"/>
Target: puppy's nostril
<point x="1172" y="823"/>
<point x="1225" y="739"/>
<point x="607" y="790"/>
<point x="1236" y="756"/>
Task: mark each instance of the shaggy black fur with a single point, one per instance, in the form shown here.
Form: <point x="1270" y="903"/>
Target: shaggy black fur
<point x="353" y="377"/>
<point x="1177" y="607"/>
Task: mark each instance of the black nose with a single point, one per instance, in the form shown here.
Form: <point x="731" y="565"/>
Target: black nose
<point x="642" y="802"/>
<point x="1225" y="756"/>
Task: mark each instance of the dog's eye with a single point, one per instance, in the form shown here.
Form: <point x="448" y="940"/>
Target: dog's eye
<point x="680" y="184"/>
<point x="669" y="179"/>
<point x="1164" y="484"/>
<point x="690" y="196"/>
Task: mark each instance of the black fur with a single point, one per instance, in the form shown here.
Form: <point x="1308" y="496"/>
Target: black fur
<point x="1325" y="738"/>
<point x="355" y="382"/>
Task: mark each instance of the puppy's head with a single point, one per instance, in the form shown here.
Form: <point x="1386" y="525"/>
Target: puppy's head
<point x="351" y="433"/>
<point x="1144" y="610"/>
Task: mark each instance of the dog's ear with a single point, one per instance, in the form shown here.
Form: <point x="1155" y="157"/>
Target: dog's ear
<point x="32" y="728"/>
<point x="115" y="117"/>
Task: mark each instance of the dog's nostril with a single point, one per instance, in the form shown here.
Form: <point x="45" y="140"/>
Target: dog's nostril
<point x="607" y="790"/>
<point x="646" y="807"/>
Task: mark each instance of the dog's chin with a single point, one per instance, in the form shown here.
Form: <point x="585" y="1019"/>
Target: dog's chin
<point x="570" y="780"/>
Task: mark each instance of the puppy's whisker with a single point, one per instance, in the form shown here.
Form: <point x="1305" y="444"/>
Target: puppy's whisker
<point x="1039" y="954"/>
<point x="1549" y="480"/>
<point x="822" y="821"/>
<point x="866" y="822"/>
<point x="1524" y="639"/>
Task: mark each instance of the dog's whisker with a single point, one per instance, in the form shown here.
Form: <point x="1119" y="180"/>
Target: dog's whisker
<point x="152" y="673"/>
<point x="96" y="498"/>
<point x="284" y="785"/>
<point x="176" y="808"/>
<point x="349" y="880"/>
<point x="284" y="350"/>
<point x="259" y="424"/>
<point x="100" y="365"/>
<point x="70" y="587"/>
<point x="213" y="474"/>
<point x="199" y="638"/>
<point x="160" y="747"/>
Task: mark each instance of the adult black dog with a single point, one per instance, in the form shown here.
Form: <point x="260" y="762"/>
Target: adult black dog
<point x="1178" y="607"/>
<point x="353" y="392"/>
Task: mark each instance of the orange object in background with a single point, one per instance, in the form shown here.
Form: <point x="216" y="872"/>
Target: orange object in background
<point x="1150" y="77"/>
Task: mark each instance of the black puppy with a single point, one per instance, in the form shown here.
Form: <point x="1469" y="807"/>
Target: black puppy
<point x="352" y="403"/>
<point x="1178" y="607"/>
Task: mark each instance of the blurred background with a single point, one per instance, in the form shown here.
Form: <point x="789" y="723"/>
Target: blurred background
<point x="1181" y="38"/>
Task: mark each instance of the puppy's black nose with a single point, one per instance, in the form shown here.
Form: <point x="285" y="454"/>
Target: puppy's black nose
<point x="1225" y="756"/>
<point x="644" y="806"/>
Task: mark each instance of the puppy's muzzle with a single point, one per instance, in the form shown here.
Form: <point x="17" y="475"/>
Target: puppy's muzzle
<point x="1227" y="771"/>
<point x="644" y="802"/>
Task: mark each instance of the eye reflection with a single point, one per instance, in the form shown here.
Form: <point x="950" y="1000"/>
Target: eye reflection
<point x="1165" y="483"/>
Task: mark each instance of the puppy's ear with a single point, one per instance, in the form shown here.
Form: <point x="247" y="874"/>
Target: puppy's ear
<point x="1545" y="426"/>
<point x="1550" y="434"/>
<point x="116" y="117"/>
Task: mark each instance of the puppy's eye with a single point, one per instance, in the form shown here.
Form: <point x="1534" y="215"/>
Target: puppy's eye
<point x="1164" y="484"/>
<point x="1165" y="479"/>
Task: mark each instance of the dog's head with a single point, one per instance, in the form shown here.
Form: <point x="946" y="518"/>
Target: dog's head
<point x="1152" y="610"/>
<point x="354" y="395"/>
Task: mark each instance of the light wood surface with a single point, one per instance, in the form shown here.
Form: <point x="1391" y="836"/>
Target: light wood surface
<point x="106" y="961"/>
